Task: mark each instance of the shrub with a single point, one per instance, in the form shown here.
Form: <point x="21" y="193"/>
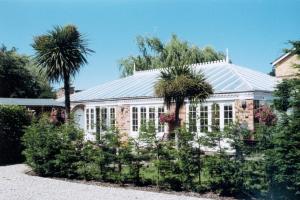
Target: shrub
<point x="13" y="119"/>
<point x="88" y="167"/>
<point x="53" y="150"/>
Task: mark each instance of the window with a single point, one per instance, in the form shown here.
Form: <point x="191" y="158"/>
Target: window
<point x="152" y="115"/>
<point x="87" y="117"/>
<point x="256" y="104"/>
<point x="203" y="119"/>
<point x="161" y="126"/>
<point x="135" y="119"/>
<point x="92" y="119"/>
<point x="98" y="128"/>
<point x="143" y="116"/>
<point x="112" y="117"/>
<point x="215" y="115"/>
<point x="227" y="114"/>
<point x="192" y="118"/>
<point x="103" y="119"/>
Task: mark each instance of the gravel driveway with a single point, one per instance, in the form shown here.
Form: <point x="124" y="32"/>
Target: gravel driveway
<point x="15" y="185"/>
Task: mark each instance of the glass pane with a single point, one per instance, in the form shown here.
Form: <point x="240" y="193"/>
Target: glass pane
<point x="104" y="119"/>
<point x="161" y="127"/>
<point x="134" y="119"/>
<point x="112" y="117"/>
<point x="87" y="119"/>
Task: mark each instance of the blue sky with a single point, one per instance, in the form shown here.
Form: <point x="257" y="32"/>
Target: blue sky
<point x="254" y="31"/>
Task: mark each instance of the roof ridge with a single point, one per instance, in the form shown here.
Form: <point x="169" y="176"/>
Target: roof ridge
<point x="191" y="65"/>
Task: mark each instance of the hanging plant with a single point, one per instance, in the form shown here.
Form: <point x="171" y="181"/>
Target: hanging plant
<point x="265" y="115"/>
<point x="167" y="118"/>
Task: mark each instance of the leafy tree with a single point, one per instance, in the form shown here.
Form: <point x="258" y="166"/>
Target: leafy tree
<point x="17" y="77"/>
<point x="156" y="54"/>
<point x="61" y="52"/>
<point x="42" y="79"/>
<point x="283" y="93"/>
<point x="13" y="119"/>
<point x="283" y="163"/>
<point x="283" y="156"/>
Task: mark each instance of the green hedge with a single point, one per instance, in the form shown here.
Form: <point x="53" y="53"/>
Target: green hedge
<point x="53" y="150"/>
<point x="13" y="119"/>
<point x="60" y="151"/>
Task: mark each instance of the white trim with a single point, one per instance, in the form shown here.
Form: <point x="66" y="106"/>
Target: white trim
<point x="280" y="58"/>
<point x="209" y="116"/>
<point x="94" y="108"/>
<point x="209" y="113"/>
<point x="139" y="106"/>
<point x="221" y="116"/>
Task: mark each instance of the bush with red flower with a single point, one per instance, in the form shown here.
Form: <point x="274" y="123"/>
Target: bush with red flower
<point x="57" y="116"/>
<point x="265" y="115"/>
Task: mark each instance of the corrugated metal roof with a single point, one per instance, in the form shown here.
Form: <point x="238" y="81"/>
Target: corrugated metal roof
<point x="30" y="102"/>
<point x="223" y="76"/>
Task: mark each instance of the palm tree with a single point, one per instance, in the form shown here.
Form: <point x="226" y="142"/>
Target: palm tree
<point x="178" y="83"/>
<point x="61" y="52"/>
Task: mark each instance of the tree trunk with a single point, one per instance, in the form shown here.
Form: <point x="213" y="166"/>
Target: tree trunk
<point x="199" y="167"/>
<point x="177" y="124"/>
<point x="67" y="96"/>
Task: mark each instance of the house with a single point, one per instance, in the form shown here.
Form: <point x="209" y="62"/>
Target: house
<point x="285" y="66"/>
<point x="126" y="102"/>
<point x="37" y="106"/>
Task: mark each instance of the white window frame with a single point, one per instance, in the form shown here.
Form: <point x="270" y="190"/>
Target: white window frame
<point x="147" y="116"/>
<point x="94" y="129"/>
<point x="209" y="110"/>
<point x="232" y="117"/>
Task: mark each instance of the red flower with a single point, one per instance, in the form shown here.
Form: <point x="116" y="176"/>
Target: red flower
<point x="167" y="118"/>
<point x="265" y="115"/>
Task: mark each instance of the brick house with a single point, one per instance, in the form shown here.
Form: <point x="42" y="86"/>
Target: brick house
<point x="125" y="102"/>
<point x="285" y="66"/>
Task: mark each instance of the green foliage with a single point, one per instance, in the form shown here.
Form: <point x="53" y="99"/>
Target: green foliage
<point x="60" y="53"/>
<point x="283" y="163"/>
<point x="222" y="171"/>
<point x="13" y="120"/>
<point x="88" y="167"/>
<point x="53" y="150"/>
<point x="283" y="94"/>
<point x="156" y="54"/>
<point x="168" y="166"/>
<point x="19" y="77"/>
<point x="189" y="159"/>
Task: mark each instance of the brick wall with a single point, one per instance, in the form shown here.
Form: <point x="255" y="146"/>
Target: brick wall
<point x="123" y="119"/>
<point x="246" y="115"/>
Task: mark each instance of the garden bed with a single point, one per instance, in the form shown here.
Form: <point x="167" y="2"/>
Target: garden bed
<point x="209" y="195"/>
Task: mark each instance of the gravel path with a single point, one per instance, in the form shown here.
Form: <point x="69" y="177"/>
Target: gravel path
<point x="15" y="185"/>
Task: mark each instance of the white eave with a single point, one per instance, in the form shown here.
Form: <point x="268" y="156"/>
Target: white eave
<point x="282" y="57"/>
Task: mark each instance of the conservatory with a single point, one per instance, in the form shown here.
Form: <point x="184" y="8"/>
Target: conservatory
<point x="128" y="102"/>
